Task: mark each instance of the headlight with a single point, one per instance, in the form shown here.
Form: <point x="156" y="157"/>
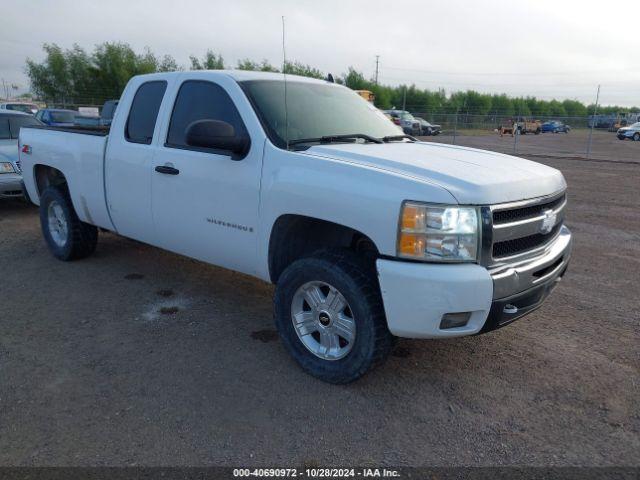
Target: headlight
<point x="6" y="167"/>
<point x="438" y="233"/>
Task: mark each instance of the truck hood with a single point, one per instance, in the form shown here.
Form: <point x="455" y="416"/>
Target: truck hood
<point x="472" y="176"/>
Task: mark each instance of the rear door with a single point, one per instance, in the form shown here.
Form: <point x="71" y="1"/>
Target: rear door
<point x="205" y="204"/>
<point x="129" y="160"/>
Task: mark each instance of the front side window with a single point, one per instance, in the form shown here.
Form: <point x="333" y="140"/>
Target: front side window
<point x="144" y="112"/>
<point x="314" y="110"/>
<point x="201" y="100"/>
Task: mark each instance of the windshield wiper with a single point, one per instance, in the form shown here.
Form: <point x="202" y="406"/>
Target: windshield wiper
<point x="336" y="139"/>
<point x="393" y="138"/>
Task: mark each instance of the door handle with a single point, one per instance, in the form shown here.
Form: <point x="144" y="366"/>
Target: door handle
<point x="167" y="170"/>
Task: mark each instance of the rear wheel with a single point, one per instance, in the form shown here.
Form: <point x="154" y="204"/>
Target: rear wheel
<point x="67" y="237"/>
<point x="329" y="313"/>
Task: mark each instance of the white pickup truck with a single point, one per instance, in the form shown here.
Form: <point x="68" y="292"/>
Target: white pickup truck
<point x="367" y="233"/>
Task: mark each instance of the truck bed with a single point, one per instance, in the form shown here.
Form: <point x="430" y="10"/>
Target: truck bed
<point x="77" y="151"/>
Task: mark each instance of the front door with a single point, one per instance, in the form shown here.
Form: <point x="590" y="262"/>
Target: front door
<point x="205" y="204"/>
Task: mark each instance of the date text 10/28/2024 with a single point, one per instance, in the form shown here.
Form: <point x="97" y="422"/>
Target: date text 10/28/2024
<point x="317" y="472"/>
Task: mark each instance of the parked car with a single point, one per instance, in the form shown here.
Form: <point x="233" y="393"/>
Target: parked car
<point x="427" y="128"/>
<point x="57" y="117"/>
<point x="367" y="234"/>
<point x="23" y="107"/>
<point x="555" y="126"/>
<point x="10" y="171"/>
<point x="526" y="125"/>
<point x="406" y="121"/>
<point x="632" y="132"/>
<point x="108" y="110"/>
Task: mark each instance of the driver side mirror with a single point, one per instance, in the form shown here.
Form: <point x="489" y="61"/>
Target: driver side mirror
<point x="218" y="135"/>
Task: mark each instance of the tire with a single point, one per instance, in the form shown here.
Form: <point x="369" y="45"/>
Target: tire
<point x="636" y="137"/>
<point x="67" y="237"/>
<point x="537" y="132"/>
<point x="347" y="274"/>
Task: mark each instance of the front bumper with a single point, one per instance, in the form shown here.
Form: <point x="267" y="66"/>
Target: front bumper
<point x="10" y="185"/>
<point x="416" y="295"/>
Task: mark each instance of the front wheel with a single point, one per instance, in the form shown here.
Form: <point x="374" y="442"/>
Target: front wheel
<point x="330" y="317"/>
<point x="636" y="137"/>
<point x="67" y="237"/>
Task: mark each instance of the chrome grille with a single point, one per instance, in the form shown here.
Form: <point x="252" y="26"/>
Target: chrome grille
<point x="524" y="213"/>
<point x="516" y="246"/>
<point x="512" y="231"/>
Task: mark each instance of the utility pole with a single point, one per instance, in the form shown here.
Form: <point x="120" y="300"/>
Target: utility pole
<point x="4" y="89"/>
<point x="377" y="66"/>
<point x="593" y="122"/>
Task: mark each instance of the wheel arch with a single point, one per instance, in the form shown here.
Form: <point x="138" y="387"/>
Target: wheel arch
<point x="45" y="176"/>
<point x="296" y="236"/>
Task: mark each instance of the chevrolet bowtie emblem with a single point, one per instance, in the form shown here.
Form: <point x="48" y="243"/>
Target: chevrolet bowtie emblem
<point x="548" y="222"/>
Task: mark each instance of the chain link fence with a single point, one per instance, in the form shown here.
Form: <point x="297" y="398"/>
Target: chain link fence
<point x="580" y="139"/>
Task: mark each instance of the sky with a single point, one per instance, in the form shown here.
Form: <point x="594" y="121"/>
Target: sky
<point x="545" y="48"/>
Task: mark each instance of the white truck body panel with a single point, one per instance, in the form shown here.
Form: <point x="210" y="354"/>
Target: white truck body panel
<point x="417" y="295"/>
<point x="81" y="158"/>
<point x="222" y="211"/>
<point x="472" y="176"/>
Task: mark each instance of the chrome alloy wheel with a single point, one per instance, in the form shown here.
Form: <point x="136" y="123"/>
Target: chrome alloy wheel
<point x="58" y="227"/>
<point x="323" y="320"/>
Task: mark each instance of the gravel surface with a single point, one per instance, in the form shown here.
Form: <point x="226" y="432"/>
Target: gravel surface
<point x="137" y="356"/>
<point x="604" y="145"/>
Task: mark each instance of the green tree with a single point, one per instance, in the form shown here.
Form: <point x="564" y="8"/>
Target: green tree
<point x="297" y="68"/>
<point x="575" y="108"/>
<point x="75" y="76"/>
<point x="502" y="105"/>
<point x="263" y="66"/>
<point x="355" y="80"/>
<point x="211" y="61"/>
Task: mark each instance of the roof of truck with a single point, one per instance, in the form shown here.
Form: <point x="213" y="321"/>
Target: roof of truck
<point x="243" y="75"/>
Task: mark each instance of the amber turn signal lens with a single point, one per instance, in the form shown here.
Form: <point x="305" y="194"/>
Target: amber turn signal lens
<point x="412" y="245"/>
<point x="412" y="217"/>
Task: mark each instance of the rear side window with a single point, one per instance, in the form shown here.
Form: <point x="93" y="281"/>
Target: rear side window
<point x="200" y="100"/>
<point x="144" y="112"/>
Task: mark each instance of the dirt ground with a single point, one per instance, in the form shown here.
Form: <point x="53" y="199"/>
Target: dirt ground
<point x="137" y="356"/>
<point x="604" y="145"/>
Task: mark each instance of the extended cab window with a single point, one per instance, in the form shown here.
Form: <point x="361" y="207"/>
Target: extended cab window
<point x="144" y="112"/>
<point x="200" y="100"/>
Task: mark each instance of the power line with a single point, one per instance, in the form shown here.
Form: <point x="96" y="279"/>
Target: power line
<point x="525" y="74"/>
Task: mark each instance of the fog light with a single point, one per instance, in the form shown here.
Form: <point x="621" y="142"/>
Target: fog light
<point x="454" y="320"/>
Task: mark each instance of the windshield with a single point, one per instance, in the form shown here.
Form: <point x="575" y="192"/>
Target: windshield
<point x="314" y="110"/>
<point x="636" y="125"/>
<point x="21" y="107"/>
<point x="63" y="117"/>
